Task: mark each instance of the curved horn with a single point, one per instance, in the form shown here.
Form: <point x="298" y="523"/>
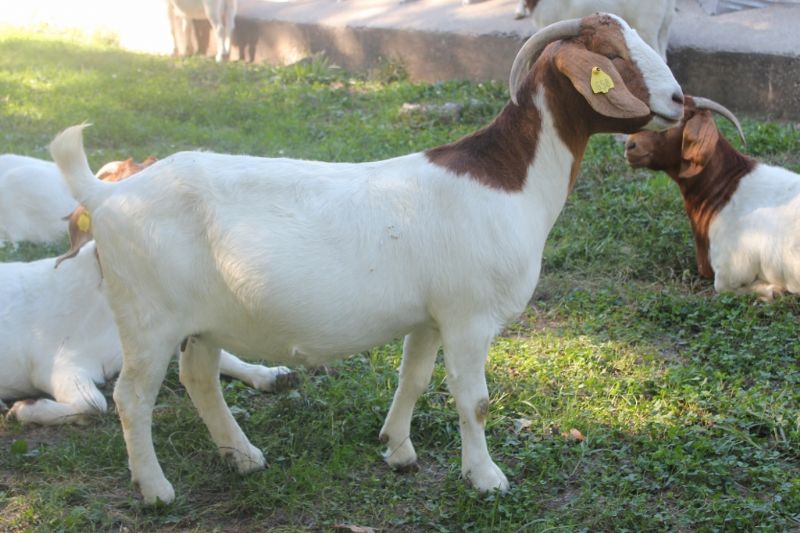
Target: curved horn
<point x="534" y="46"/>
<point x="711" y="105"/>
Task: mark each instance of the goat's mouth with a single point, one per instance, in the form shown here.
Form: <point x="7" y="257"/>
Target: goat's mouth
<point x="636" y="160"/>
<point x="661" y="121"/>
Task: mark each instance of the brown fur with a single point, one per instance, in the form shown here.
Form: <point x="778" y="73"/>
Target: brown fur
<point x="77" y="237"/>
<point x="482" y="411"/>
<point x="500" y="154"/>
<point x="705" y="166"/>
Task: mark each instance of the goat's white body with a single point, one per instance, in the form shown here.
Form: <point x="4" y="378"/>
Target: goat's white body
<point x="364" y="237"/>
<point x="651" y="18"/>
<point x="59" y="338"/>
<point x="755" y="239"/>
<point x="304" y="261"/>
<point x="33" y="200"/>
<point x="221" y="14"/>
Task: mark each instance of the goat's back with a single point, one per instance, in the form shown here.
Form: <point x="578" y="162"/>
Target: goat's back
<point x="311" y="250"/>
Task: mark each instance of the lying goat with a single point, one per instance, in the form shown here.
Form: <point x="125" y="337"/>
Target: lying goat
<point x="33" y="200"/>
<point x="745" y="215"/>
<point x="221" y="14"/>
<point x="651" y="18"/>
<point x="305" y="261"/>
<point x="59" y="338"/>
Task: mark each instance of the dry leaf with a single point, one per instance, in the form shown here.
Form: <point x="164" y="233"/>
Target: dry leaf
<point x="574" y="434"/>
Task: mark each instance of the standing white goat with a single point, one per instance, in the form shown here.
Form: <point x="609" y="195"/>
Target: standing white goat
<point x="221" y="14"/>
<point x="59" y="338"/>
<point x="305" y="261"/>
<point x="651" y="18"/>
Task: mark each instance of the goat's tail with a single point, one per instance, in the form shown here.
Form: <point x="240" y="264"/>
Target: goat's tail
<point x="68" y="154"/>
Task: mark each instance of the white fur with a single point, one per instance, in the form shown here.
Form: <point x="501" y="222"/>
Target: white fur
<point x="305" y="261"/>
<point x="755" y="238"/>
<point x="59" y="338"/>
<point x="659" y="81"/>
<point x="33" y="200"/>
<point x="221" y="14"/>
<point x="651" y="18"/>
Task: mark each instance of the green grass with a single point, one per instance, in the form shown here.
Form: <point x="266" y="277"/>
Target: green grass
<point x="688" y="401"/>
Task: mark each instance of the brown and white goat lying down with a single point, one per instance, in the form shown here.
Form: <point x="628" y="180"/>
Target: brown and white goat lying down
<point x="745" y="215"/>
<point x="58" y="335"/>
<point x="306" y="261"/>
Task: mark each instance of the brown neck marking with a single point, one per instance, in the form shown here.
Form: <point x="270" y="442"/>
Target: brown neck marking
<point x="498" y="155"/>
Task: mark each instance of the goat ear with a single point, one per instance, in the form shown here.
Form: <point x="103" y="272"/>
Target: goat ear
<point x="579" y="65"/>
<point x="700" y="136"/>
<point x="80" y="232"/>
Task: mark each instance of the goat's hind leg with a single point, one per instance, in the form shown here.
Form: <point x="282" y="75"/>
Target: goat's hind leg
<point x="144" y="366"/>
<point x="199" y="373"/>
<point x="419" y="356"/>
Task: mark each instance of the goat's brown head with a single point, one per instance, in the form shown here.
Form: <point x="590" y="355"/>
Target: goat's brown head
<point x="80" y="226"/>
<point x="685" y="150"/>
<point x="602" y="72"/>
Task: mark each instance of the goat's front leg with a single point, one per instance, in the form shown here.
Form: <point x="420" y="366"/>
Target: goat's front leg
<point x="465" y="353"/>
<point x="76" y="398"/>
<point x="419" y="356"/>
<point x="199" y="372"/>
<point x="144" y="366"/>
<point x="521" y="10"/>
<point x="189" y="36"/>
<point x="222" y="41"/>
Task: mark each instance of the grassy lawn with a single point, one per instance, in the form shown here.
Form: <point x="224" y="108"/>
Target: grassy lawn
<point x="686" y="403"/>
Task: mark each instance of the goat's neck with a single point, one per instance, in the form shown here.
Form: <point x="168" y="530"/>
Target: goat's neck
<point x="705" y="194"/>
<point x="527" y="148"/>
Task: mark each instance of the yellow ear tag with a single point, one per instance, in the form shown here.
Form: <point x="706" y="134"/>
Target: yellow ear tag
<point x="84" y="222"/>
<point x="601" y="82"/>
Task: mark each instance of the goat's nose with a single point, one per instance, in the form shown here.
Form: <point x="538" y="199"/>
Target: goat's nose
<point x="630" y="145"/>
<point x="677" y="97"/>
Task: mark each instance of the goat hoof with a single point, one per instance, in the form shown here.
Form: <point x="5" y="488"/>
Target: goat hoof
<point x="487" y="478"/>
<point x="286" y="381"/>
<point x="159" y="493"/>
<point x="410" y="468"/>
<point x="16" y="408"/>
<point x="246" y="462"/>
<point x="402" y="457"/>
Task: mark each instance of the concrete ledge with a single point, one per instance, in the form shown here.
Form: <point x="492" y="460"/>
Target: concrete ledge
<point x="426" y="56"/>
<point x="749" y="60"/>
<point x="759" y="85"/>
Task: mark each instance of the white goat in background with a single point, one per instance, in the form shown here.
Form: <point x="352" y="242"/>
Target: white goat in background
<point x="306" y="261"/>
<point x="221" y="14"/>
<point x="651" y="18"/>
<point x="33" y="200"/>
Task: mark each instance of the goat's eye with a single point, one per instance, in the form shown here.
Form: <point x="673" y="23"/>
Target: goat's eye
<point x="612" y="57"/>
